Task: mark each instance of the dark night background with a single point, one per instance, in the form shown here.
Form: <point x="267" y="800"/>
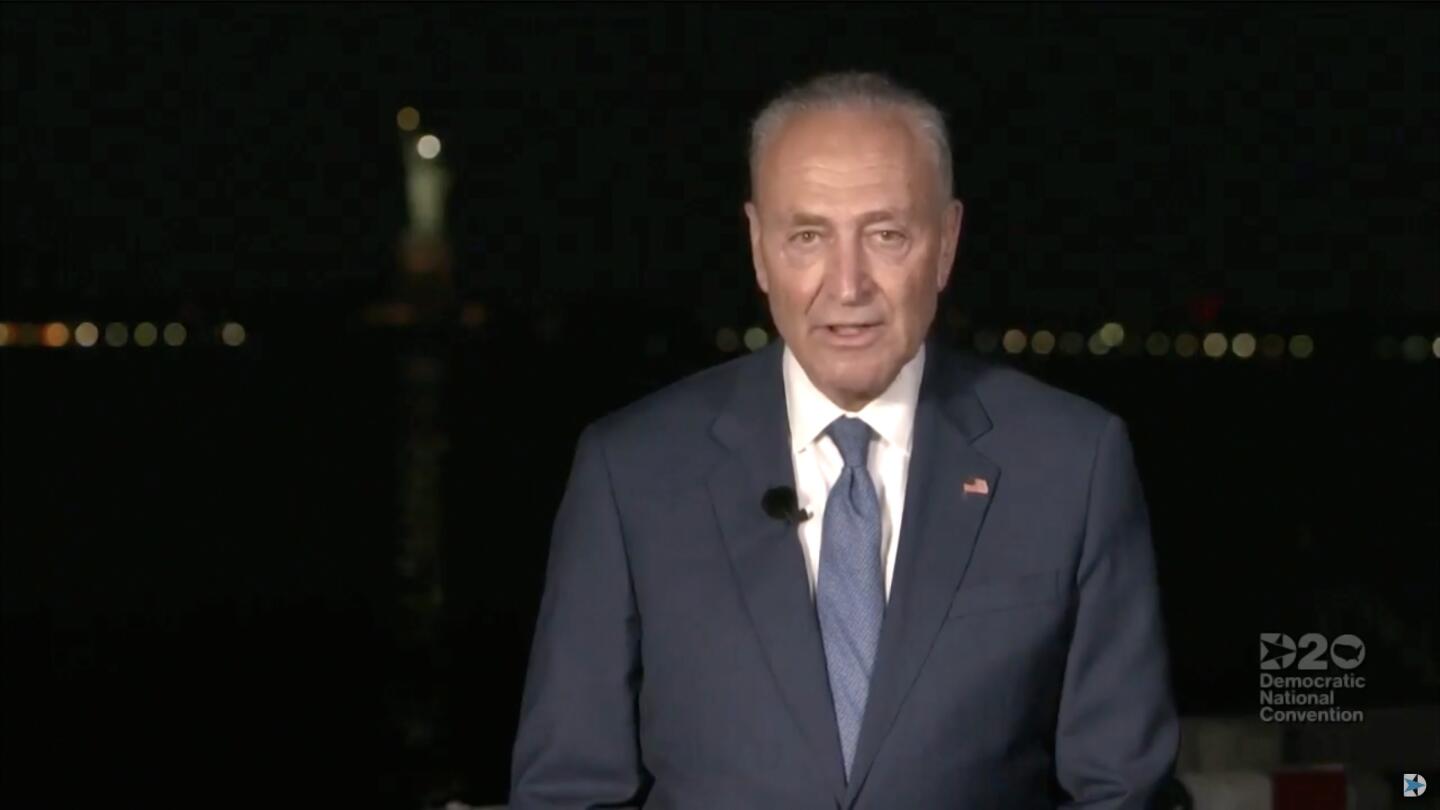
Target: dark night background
<point x="200" y="596"/>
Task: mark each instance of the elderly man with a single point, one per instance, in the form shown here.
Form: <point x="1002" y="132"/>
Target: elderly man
<point x="853" y="569"/>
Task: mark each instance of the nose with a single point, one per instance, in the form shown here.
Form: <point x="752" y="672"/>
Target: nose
<point x="849" y="272"/>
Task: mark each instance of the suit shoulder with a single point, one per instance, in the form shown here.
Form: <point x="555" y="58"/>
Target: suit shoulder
<point x="1021" y="392"/>
<point x="673" y="414"/>
<point x="1017" y="401"/>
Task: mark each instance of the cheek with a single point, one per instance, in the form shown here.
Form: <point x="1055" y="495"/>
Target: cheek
<point x="907" y="294"/>
<point x="788" y="304"/>
<point x="794" y="287"/>
<point x="912" y="305"/>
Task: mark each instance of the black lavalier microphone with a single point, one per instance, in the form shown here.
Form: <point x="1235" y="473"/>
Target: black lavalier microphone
<point x="780" y="503"/>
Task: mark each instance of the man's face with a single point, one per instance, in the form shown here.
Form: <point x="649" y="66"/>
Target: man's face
<point x="852" y="244"/>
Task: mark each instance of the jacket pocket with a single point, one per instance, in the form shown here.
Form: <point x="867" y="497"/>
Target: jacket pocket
<point x="985" y="596"/>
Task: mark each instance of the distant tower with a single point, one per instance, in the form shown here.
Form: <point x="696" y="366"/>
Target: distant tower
<point x="424" y="306"/>
<point x="425" y="257"/>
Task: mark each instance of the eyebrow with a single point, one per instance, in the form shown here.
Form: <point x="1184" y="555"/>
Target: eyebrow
<point x="867" y="218"/>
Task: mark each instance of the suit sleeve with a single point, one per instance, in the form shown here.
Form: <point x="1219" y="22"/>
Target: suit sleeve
<point x="576" y="746"/>
<point x="1117" y="735"/>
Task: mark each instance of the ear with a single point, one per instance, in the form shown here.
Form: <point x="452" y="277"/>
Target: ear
<point x="757" y="257"/>
<point x="949" y="240"/>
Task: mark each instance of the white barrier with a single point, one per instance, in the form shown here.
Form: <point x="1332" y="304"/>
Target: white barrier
<point x="1228" y="790"/>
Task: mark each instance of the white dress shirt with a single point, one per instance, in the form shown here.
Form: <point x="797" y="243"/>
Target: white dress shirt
<point x="818" y="463"/>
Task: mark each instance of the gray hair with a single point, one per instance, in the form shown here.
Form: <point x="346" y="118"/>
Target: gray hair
<point x="852" y="89"/>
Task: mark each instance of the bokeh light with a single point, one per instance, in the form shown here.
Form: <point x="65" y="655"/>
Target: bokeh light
<point x="55" y="335"/>
<point x="756" y="338"/>
<point x="116" y="334"/>
<point x="1414" y="348"/>
<point x="145" y="334"/>
<point x="726" y="340"/>
<point x="87" y="334"/>
<point x="233" y="334"/>
<point x="174" y="334"/>
<point x="1112" y="334"/>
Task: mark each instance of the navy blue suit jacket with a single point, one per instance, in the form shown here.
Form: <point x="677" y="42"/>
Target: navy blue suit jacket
<point x="677" y="659"/>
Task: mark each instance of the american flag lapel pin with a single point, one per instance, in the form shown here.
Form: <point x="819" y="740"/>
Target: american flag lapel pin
<point x="976" y="486"/>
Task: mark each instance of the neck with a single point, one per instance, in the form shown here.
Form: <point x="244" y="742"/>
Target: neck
<point x="850" y="401"/>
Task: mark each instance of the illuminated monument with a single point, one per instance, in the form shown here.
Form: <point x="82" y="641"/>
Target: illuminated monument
<point x="424" y="308"/>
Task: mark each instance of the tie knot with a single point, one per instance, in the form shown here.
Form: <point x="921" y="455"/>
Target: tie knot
<point x="852" y="436"/>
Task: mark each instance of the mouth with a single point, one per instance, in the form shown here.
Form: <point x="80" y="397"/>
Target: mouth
<point x="849" y="329"/>
<point x="850" y="334"/>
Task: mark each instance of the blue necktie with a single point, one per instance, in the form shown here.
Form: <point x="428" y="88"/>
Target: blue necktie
<point x="850" y="588"/>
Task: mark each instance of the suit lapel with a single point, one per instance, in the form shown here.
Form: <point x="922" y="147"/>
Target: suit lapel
<point x="765" y="553"/>
<point x="938" y="533"/>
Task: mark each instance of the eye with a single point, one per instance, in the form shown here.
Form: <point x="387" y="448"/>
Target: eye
<point x="806" y="237"/>
<point x="890" y="236"/>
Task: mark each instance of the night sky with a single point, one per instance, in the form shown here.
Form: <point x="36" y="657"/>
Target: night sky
<point x="1114" y="160"/>
<point x="199" y="542"/>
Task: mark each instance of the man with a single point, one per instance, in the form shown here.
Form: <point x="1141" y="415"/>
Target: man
<point x="957" y="610"/>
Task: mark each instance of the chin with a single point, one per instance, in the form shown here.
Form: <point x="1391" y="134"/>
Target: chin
<point x="861" y="382"/>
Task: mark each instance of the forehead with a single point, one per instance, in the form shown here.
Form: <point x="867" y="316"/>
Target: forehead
<point x="843" y="157"/>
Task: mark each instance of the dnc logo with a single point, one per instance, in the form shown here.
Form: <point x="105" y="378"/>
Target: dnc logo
<point x="1279" y="651"/>
<point x="1414" y="785"/>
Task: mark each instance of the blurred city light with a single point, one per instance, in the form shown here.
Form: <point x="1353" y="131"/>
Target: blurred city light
<point x="1112" y="334"/>
<point x="428" y="147"/>
<point x="726" y="340"/>
<point x="1243" y="345"/>
<point x="233" y="334"/>
<point x="1414" y="348"/>
<point x="756" y="338"/>
<point x="55" y="335"/>
<point x="1435" y="347"/>
<point x="87" y="334"/>
<point x="145" y="334"/>
<point x="408" y="119"/>
<point x="116" y="334"/>
<point x="174" y="334"/>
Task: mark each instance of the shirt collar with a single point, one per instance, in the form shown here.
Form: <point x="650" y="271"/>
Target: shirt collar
<point x="891" y="415"/>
